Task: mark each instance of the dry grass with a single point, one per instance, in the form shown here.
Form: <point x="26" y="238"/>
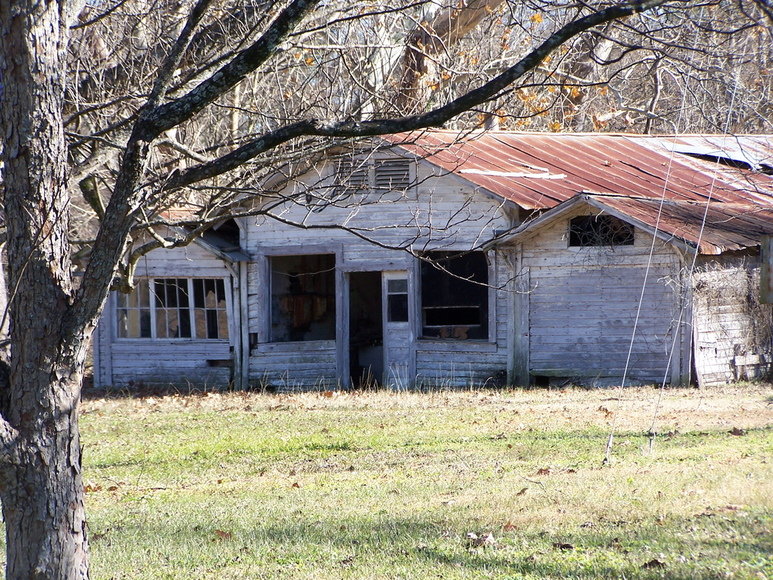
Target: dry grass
<point x="630" y="409"/>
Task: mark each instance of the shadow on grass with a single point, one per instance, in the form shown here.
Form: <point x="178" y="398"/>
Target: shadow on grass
<point x="387" y="544"/>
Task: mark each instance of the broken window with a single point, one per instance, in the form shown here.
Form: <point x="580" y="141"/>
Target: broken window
<point x="303" y="298"/>
<point x="162" y="308"/>
<point x="599" y="230"/>
<point x="209" y="314"/>
<point x="454" y="296"/>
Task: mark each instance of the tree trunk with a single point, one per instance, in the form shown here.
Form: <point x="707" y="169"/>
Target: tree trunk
<point x="40" y="478"/>
<point x="43" y="507"/>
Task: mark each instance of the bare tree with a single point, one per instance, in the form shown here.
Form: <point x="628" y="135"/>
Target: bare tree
<point x="188" y="100"/>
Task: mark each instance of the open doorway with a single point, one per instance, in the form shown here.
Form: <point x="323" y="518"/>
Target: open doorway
<point x="366" y="330"/>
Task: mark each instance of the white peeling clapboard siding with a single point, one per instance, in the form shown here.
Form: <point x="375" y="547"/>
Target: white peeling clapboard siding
<point x="189" y="261"/>
<point x="583" y="304"/>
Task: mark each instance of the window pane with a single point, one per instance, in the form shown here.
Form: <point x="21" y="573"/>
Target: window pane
<point x="200" y="316"/>
<point x="161" y="325"/>
<point x="400" y="285"/>
<point x="144" y="323"/>
<point x="198" y="293"/>
<point x="222" y="324"/>
<point x="397" y="307"/>
<point x="143" y="293"/>
<point x="182" y="293"/>
<point x="184" y="323"/>
<point x="123" y="324"/>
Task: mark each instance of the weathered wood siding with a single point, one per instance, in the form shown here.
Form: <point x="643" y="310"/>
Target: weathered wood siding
<point x="135" y="361"/>
<point x="441" y="212"/>
<point x="733" y="331"/>
<point x="178" y="362"/>
<point x="587" y="304"/>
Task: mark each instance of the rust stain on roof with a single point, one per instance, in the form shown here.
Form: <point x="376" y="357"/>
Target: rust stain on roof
<point x="714" y="192"/>
<point x="538" y="170"/>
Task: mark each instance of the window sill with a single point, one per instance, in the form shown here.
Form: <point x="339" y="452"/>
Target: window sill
<point x="295" y="346"/>
<point x="456" y="345"/>
<point x="161" y="341"/>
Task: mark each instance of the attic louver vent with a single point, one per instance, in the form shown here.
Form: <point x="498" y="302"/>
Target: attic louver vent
<point x="393" y="174"/>
<point x="352" y="175"/>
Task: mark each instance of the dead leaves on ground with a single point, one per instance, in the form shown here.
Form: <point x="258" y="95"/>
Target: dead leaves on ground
<point x="555" y="470"/>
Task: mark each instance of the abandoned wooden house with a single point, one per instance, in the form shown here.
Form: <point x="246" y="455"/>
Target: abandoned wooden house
<point x="497" y="258"/>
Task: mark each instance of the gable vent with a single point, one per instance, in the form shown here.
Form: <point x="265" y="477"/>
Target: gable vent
<point x="392" y="174"/>
<point x="352" y="175"/>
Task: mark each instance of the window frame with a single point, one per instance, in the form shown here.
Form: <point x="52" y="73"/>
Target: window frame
<point x="491" y="303"/>
<point x="270" y="337"/>
<point x="191" y="308"/>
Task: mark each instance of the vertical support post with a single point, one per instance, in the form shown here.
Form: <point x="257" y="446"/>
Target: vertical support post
<point x="766" y="270"/>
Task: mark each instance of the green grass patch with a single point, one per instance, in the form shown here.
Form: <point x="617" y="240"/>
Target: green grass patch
<point x="443" y="485"/>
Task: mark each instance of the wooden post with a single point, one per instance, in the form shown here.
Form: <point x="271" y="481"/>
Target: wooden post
<point x="766" y="282"/>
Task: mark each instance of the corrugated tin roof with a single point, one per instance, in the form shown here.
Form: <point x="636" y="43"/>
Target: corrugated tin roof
<point x="712" y="228"/>
<point x="661" y="183"/>
<point x="540" y="170"/>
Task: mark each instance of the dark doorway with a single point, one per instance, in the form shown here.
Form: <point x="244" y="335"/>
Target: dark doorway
<point x="366" y="330"/>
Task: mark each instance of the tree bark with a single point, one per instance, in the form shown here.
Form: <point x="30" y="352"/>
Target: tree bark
<point x="40" y="474"/>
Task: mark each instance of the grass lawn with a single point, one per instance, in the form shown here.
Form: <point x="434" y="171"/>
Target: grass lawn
<point x="487" y="484"/>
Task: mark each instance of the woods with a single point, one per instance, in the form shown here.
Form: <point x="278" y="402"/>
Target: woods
<point x="112" y="113"/>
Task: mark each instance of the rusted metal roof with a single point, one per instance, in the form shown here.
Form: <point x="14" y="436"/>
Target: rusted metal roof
<point x="712" y="192"/>
<point x="712" y="228"/>
<point x="540" y="170"/>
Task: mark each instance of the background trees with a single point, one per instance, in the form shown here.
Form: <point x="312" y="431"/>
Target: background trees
<point x="132" y="107"/>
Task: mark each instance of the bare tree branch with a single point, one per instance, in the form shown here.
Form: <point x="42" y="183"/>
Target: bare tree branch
<point x="172" y="114"/>
<point x="434" y="118"/>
